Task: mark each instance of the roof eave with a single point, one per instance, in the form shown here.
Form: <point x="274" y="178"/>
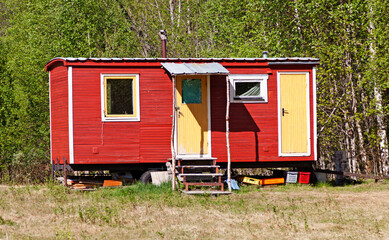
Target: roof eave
<point x="270" y="61"/>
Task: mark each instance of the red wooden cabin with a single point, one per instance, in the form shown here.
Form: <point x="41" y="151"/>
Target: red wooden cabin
<point x="117" y="113"/>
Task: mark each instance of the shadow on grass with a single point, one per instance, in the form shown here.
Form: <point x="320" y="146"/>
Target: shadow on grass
<point x="345" y="183"/>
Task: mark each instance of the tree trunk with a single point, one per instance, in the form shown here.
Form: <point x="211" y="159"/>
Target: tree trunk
<point x="350" y="144"/>
<point x="357" y="121"/>
<point x="171" y="5"/>
<point x="381" y="127"/>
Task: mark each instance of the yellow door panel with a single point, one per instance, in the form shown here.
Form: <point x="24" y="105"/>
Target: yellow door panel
<point x="294" y="133"/>
<point x="192" y="115"/>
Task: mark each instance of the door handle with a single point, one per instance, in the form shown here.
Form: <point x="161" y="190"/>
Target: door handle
<point x="284" y="111"/>
<point x="178" y="111"/>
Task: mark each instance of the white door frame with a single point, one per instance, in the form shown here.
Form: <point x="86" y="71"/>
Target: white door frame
<point x="308" y="153"/>
<point x="209" y="154"/>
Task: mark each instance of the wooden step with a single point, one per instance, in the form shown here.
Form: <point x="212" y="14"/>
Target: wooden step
<point x="190" y="158"/>
<point x="200" y="174"/>
<point x="202" y="184"/>
<point x="200" y="179"/>
<point x="201" y="192"/>
<point x="195" y="162"/>
<point x="217" y="184"/>
<point x="199" y="166"/>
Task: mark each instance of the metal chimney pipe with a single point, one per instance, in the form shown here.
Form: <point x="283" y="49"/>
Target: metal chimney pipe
<point x="162" y="35"/>
<point x="265" y="53"/>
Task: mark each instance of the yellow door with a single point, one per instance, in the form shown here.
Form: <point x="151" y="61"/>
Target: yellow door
<point x="192" y="115"/>
<point x="294" y="114"/>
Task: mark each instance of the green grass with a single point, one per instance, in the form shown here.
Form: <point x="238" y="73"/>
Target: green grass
<point x="141" y="211"/>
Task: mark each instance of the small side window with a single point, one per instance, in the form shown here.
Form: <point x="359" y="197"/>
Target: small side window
<point x="248" y="88"/>
<point x="120" y="97"/>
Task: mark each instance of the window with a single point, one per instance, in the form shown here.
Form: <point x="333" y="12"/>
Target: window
<point x="191" y="91"/>
<point x="120" y="97"/>
<point x="248" y="88"/>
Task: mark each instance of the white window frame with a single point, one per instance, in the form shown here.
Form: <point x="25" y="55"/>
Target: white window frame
<point x="261" y="78"/>
<point x="136" y="115"/>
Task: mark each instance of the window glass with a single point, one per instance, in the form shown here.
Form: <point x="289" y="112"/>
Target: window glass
<point x="191" y="91"/>
<point x="247" y="89"/>
<point x="120" y="96"/>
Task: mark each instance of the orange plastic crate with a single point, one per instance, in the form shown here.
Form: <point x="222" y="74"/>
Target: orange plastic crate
<point x="112" y="183"/>
<point x="270" y="181"/>
<point x="304" y="177"/>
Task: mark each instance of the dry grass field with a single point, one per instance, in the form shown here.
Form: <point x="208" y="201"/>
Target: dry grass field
<point x="148" y="212"/>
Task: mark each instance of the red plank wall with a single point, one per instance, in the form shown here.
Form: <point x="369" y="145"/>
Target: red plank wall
<point x="59" y="113"/>
<point x="98" y="142"/>
<point x="253" y="126"/>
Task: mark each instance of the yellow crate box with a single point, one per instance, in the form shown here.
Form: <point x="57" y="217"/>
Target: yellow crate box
<point x="248" y="180"/>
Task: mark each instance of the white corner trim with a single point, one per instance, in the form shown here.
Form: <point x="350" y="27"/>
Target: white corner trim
<point x="136" y="118"/>
<point x="308" y="116"/>
<point x="209" y="115"/>
<point x="70" y="115"/>
<point x="51" y="127"/>
<point x="175" y="118"/>
<point x="314" y="113"/>
<point x="279" y="113"/>
<point x="308" y="153"/>
<point x="262" y="78"/>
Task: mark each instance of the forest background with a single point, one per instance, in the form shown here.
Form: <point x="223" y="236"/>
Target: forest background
<point x="351" y="38"/>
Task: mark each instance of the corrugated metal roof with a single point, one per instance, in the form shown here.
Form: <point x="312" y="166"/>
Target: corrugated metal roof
<point x="297" y="59"/>
<point x="270" y="61"/>
<point x="194" y="68"/>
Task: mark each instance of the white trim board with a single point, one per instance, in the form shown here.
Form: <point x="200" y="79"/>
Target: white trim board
<point x="314" y="113"/>
<point x="209" y="115"/>
<point x="308" y="153"/>
<point x="51" y="126"/>
<point x="70" y="115"/>
<point x="175" y="141"/>
<point x="209" y="154"/>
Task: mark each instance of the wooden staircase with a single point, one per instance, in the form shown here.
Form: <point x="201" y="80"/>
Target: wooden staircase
<point x="200" y="172"/>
